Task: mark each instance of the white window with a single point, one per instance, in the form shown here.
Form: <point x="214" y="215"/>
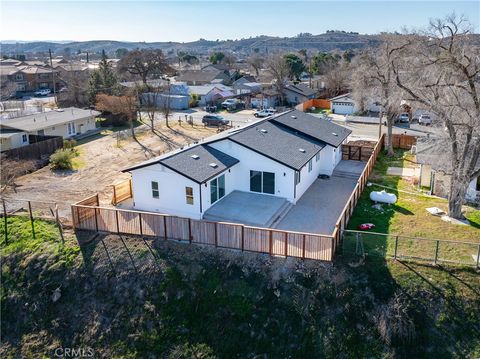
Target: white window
<point x="19" y="77"/>
<point x="310" y="165"/>
<point x="155" y="191"/>
<point x="24" y="138"/>
<point x="298" y="177"/>
<point x="189" y="195"/>
<point x="71" y="128"/>
<point x="317" y="157"/>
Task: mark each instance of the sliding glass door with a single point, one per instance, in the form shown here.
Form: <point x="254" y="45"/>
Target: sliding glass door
<point x="262" y="182"/>
<point x="217" y="188"/>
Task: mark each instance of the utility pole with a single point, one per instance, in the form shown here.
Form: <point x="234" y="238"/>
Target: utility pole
<point x="53" y="76"/>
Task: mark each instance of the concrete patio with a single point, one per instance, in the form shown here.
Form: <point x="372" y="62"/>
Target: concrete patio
<point x="319" y="208"/>
<point x="249" y="208"/>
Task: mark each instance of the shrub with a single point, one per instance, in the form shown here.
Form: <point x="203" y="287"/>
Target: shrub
<point x="69" y="144"/>
<point x="62" y="159"/>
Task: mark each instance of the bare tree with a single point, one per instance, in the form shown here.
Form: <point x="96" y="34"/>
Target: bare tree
<point x="229" y="59"/>
<point x="144" y="63"/>
<point x="378" y="79"/>
<point x="256" y="61"/>
<point x="336" y="80"/>
<point x="443" y="77"/>
<point x="8" y="89"/>
<point x="75" y="92"/>
<point x="277" y="66"/>
<point x="150" y="101"/>
<point x="125" y="106"/>
<point x="166" y="108"/>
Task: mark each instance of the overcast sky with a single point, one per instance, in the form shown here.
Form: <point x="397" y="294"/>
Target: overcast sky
<point x="190" y="20"/>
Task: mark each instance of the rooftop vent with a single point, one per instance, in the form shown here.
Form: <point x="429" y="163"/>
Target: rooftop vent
<point x="293" y="116"/>
<point x="263" y="130"/>
<point x="195" y="157"/>
<point x="302" y="150"/>
<point x="333" y="133"/>
<point x="213" y="165"/>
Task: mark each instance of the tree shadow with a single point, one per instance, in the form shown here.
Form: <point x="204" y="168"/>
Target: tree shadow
<point x="403" y="210"/>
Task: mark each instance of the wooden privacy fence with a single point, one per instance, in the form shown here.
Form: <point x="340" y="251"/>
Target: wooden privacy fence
<point x="122" y="191"/>
<point x="404" y="142"/>
<point x="317" y="103"/>
<point x="35" y="151"/>
<point x="357" y="152"/>
<point x="357" y="191"/>
<point x="219" y="234"/>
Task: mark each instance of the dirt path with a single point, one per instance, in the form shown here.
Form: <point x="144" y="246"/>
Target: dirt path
<point x="101" y="161"/>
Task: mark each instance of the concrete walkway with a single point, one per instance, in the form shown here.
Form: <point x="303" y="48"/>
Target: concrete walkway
<point x="319" y="208"/>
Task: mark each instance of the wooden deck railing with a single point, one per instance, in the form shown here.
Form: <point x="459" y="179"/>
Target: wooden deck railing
<point x="219" y="234"/>
<point x="357" y="191"/>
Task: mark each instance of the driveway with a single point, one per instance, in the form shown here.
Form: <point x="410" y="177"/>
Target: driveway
<point x="319" y="208"/>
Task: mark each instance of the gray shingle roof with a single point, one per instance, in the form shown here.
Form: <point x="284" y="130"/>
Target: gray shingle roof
<point x="279" y="143"/>
<point x="312" y="126"/>
<point x="197" y="169"/>
<point x="301" y="89"/>
<point x="42" y="120"/>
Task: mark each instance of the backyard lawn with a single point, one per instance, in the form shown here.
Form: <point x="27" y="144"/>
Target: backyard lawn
<point x="409" y="218"/>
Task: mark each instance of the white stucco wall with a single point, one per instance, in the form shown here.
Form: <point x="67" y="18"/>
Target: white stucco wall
<point x="13" y="141"/>
<point x="230" y="185"/>
<point x="171" y="185"/>
<point x="250" y="160"/>
<point x="62" y="130"/>
<point x="472" y="190"/>
<point x="343" y="107"/>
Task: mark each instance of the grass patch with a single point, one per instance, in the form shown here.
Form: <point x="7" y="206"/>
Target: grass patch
<point x="408" y="217"/>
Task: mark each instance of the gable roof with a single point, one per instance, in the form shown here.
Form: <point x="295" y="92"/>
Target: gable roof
<point x="301" y="89"/>
<point x="279" y="143"/>
<point x="197" y="169"/>
<point x="346" y="97"/>
<point x="435" y="151"/>
<point x="42" y="120"/>
<point x="313" y="126"/>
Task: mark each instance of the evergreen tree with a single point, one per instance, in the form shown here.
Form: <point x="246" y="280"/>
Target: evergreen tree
<point x="103" y="80"/>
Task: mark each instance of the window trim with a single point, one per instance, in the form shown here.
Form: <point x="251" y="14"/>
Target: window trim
<point x="310" y="165"/>
<point x="262" y="182"/>
<point x="155" y="189"/>
<point x="24" y="138"/>
<point x="189" y="197"/>
<point x="317" y="157"/>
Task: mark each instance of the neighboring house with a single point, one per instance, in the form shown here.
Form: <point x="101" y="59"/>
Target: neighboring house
<point x="295" y="94"/>
<point x="280" y="156"/>
<point x="268" y="98"/>
<point x="343" y="104"/>
<point x="10" y="138"/>
<point x="242" y="85"/>
<point x="211" y="93"/>
<point x="67" y="122"/>
<point x="201" y="77"/>
<point x="436" y="170"/>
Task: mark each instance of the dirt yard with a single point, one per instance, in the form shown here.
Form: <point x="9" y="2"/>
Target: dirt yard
<point x="99" y="164"/>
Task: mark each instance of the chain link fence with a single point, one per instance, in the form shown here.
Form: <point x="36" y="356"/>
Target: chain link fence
<point x="379" y="245"/>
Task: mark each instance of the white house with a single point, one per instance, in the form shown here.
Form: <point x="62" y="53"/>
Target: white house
<point x="343" y="104"/>
<point x="10" y="139"/>
<point x="211" y="93"/>
<point x="67" y="122"/>
<point x="280" y="156"/>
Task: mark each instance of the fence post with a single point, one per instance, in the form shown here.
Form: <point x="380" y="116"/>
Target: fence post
<point x="31" y="219"/>
<point x="5" y="220"/>
<point x="140" y="223"/>
<point x="243" y="237"/>
<point x="190" y="238"/>
<point x="303" y="247"/>
<point x="270" y="242"/>
<point x="286" y="244"/>
<point x="165" y="226"/>
<point x="478" y="257"/>
<point x="96" y="220"/>
<point x="396" y="248"/>
<point x="116" y="218"/>
<point x="59" y="225"/>
<point x="114" y="199"/>
<point x="216" y="235"/>
<point x="436" y="252"/>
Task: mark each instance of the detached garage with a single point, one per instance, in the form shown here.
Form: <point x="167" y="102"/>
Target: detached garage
<point x="343" y="104"/>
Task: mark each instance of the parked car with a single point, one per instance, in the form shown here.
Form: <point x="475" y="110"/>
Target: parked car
<point x="231" y="102"/>
<point x="403" y="118"/>
<point x="211" y="108"/>
<point x="42" y="92"/>
<point x="263" y="113"/>
<point x="425" y="119"/>
<point x="214" y="120"/>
